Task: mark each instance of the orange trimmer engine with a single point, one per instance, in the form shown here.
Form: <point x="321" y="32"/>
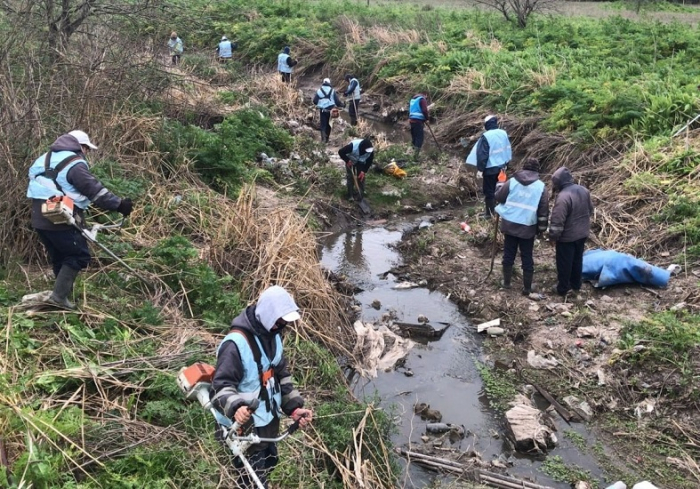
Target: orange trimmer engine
<point x="190" y="377"/>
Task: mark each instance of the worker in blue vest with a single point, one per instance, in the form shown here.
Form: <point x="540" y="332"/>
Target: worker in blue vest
<point x="285" y="63"/>
<point x="524" y="210"/>
<point x="224" y="51"/>
<point x="490" y="154"/>
<point x="358" y="157"/>
<point x="326" y="99"/>
<point x="64" y="171"/>
<point x="175" y="48"/>
<point x="355" y="95"/>
<point x="418" y="113"/>
<point x="250" y="364"/>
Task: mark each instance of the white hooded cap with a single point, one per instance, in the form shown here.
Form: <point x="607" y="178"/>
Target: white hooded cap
<point x="224" y="38"/>
<point x="489" y="117"/>
<point x="82" y="138"/>
<point x="275" y="303"/>
<point x="327" y="81"/>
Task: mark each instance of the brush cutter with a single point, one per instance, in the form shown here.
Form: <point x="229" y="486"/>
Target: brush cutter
<point x="195" y="382"/>
<point x="60" y="210"/>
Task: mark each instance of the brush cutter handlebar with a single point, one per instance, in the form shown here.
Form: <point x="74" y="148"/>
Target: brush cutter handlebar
<point x="91" y="234"/>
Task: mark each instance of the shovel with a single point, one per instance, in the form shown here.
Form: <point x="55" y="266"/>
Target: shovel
<point x="364" y="206"/>
<point x="495" y="244"/>
<point x="434" y="138"/>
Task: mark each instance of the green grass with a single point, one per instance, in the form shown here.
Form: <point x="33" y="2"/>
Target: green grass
<point x="499" y="385"/>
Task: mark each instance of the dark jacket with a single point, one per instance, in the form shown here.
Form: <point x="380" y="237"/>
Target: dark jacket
<point x="483" y="150"/>
<point x="572" y="211"/>
<point x="423" y="108"/>
<point x="345" y="152"/>
<point x="524" y="177"/>
<point x="336" y="99"/>
<point x="229" y="373"/>
<point x="84" y="181"/>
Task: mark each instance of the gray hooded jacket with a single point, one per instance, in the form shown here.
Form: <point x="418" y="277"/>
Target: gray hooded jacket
<point x="525" y="177"/>
<point x="572" y="211"/>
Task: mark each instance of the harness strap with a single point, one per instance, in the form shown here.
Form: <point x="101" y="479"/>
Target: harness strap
<point x="52" y="173"/>
<point x="264" y="376"/>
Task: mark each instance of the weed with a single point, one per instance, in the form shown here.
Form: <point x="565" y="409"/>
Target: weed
<point x="576" y="438"/>
<point x="557" y="469"/>
<point x="500" y="386"/>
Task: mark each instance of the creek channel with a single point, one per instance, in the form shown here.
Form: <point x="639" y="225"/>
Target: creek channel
<point x="444" y="371"/>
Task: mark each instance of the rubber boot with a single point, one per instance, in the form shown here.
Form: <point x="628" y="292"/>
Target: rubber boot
<point x="489" y="206"/>
<point x="64" y="287"/>
<point x="416" y="154"/>
<point x="507" y="276"/>
<point x="527" y="282"/>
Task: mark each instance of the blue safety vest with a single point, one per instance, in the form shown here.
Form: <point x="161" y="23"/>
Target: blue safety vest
<point x="522" y="202"/>
<point x="325" y="99"/>
<point x="249" y="387"/>
<point x="356" y="94"/>
<point x="282" y="65"/>
<point x="414" y="110"/>
<point x="225" y="49"/>
<point x="499" y="149"/>
<point x="41" y="187"/>
<point x="355" y="155"/>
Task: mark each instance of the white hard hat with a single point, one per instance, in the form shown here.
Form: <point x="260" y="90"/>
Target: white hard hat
<point x="223" y="38"/>
<point x="82" y="138"/>
<point x="489" y="117"/>
<point x="327" y="80"/>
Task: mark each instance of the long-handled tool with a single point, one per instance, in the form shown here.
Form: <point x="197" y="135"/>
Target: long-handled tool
<point x="355" y="106"/>
<point x="433" y="135"/>
<point x="364" y="206"/>
<point x="195" y="382"/>
<point x="494" y="245"/>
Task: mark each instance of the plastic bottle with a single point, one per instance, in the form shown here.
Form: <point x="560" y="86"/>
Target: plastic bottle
<point x="465" y="227"/>
<point x="618" y="485"/>
<point x="644" y="485"/>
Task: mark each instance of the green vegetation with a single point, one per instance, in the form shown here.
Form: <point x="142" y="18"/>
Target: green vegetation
<point x="555" y="467"/>
<point x="499" y="385"/>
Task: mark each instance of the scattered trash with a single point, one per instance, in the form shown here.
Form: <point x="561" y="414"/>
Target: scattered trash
<point x="540" y="362"/>
<point x="465" y="227"/>
<point x="534" y="296"/>
<point x="429" y="206"/>
<point x="644" y="485"/>
<point x="581" y="408"/>
<point x="533" y="308"/>
<point x="601" y="377"/>
<point x="376" y="304"/>
<point x="423" y="410"/>
<point x="405" y="285"/>
<point x="378" y="348"/>
<point x="587" y="332"/>
<point x="617" y="485"/>
<point x="678" y="307"/>
<point x="674" y="269"/>
<point x="484" y="326"/>
<point x="408" y="373"/>
<point x="423" y="319"/>
<point x="606" y="298"/>
<point x="645" y="407"/>
<point x="525" y="423"/>
<point x="393" y="169"/>
<point x="425" y="225"/>
<point x="444" y="428"/>
<point x="583" y="485"/>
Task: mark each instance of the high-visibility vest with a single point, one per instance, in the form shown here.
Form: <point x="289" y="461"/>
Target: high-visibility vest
<point x="500" y="152"/>
<point x="355" y="155"/>
<point x="414" y="110"/>
<point x="522" y="202"/>
<point x="356" y="94"/>
<point x="176" y="46"/>
<point x="42" y="187"/>
<point x="250" y="385"/>
<point x="325" y="99"/>
<point x="282" y="65"/>
<point x="225" y="50"/>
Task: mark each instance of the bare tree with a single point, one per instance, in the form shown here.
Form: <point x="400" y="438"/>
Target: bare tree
<point x="518" y="10"/>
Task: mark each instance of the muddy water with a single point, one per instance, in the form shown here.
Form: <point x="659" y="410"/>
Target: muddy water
<point x="444" y="374"/>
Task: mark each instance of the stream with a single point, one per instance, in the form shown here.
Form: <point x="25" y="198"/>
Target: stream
<point x="444" y="372"/>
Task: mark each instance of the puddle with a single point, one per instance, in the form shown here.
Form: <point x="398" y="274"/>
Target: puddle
<point x="444" y="372"/>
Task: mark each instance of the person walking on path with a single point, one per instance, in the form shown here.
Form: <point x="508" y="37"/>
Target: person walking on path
<point x="569" y="227"/>
<point x="326" y="99"/>
<point x="224" y="51"/>
<point x="418" y="114"/>
<point x="250" y="364"/>
<point x="355" y="94"/>
<point x="490" y="154"/>
<point x="64" y="171"/>
<point x="176" y="48"/>
<point x="358" y="157"/>
<point x="285" y="64"/>
<point x="523" y="204"/>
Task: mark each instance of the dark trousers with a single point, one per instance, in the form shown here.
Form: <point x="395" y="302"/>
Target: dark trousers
<point x="417" y="134"/>
<point x="569" y="265"/>
<point x="353" y="109"/>
<point x="489" y="186"/>
<point x="510" y="249"/>
<point x="286" y="77"/>
<point x="176" y="59"/>
<point x="68" y="248"/>
<point x="262" y="461"/>
<point x="325" y="125"/>
<point x="351" y="183"/>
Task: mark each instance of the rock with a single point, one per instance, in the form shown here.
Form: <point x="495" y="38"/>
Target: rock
<point x="425" y="224"/>
<point x="376" y="304"/>
<point x="525" y="423"/>
<point x="534" y="296"/>
<point x="425" y="439"/>
<point x="581" y="408"/>
<point x="498" y="464"/>
<point x="429" y="206"/>
<point x="423" y="283"/>
<point x="294" y="156"/>
<point x="606" y="298"/>
<point x="443" y="428"/>
<point x="408" y="373"/>
<point x="587" y="332"/>
<point x="583" y="485"/>
<point x="422" y="319"/>
<point x="678" y="307"/>
<point x="566" y="314"/>
<point x="405" y="285"/>
<point x="471" y="293"/>
<point x="495" y="331"/>
<point x="533" y="308"/>
<point x="538" y="361"/>
<point x="423" y="410"/>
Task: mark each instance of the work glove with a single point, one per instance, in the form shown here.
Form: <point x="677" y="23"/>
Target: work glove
<point x="304" y="416"/>
<point x="242" y="415"/>
<point x="361" y="176"/>
<point x="125" y="207"/>
<point x="479" y="175"/>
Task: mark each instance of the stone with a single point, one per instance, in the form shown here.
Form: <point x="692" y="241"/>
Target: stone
<point x="423" y="410"/>
<point x="606" y="298"/>
<point x="423" y="319"/>
<point x="678" y="307"/>
<point x="408" y="373"/>
<point x="376" y="304"/>
<point x="587" y="332"/>
<point x="425" y="439"/>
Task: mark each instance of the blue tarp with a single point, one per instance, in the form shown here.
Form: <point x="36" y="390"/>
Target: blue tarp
<point x="609" y="267"/>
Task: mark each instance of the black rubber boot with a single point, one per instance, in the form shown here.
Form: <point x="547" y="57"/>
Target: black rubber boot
<point x="64" y="287"/>
<point x="507" y="276"/>
<point x="527" y="282"/>
<point x="489" y="206"/>
<point x="416" y="154"/>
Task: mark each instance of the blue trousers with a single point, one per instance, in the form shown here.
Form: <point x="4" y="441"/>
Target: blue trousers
<point x="68" y="248"/>
<point x="417" y="134"/>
